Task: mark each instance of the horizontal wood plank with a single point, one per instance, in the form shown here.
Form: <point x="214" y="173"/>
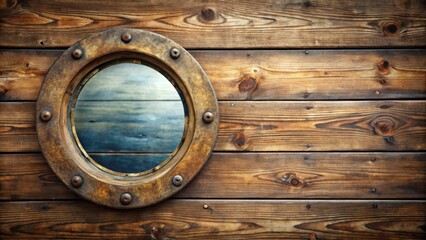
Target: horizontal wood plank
<point x="216" y="219"/>
<point x="254" y="175"/>
<point x="230" y="24"/>
<point x="263" y="74"/>
<point x="282" y="126"/>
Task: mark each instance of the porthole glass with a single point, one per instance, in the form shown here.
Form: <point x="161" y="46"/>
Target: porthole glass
<point x="128" y="117"/>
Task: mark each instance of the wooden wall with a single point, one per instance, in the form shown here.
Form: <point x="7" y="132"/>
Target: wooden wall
<point x="322" y="132"/>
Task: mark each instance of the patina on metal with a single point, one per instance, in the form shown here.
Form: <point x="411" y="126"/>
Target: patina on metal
<point x="126" y="198"/>
<point x="208" y="117"/>
<point x="77" y="181"/>
<point x="77" y="53"/>
<point x="177" y="180"/>
<point x="174" y="53"/>
<point x="45" y="115"/>
<point x="63" y="152"/>
<point x="125" y="37"/>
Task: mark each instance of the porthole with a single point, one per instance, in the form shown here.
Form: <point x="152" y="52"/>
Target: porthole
<point x="126" y="118"/>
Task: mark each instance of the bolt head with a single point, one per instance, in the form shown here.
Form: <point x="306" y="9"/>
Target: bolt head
<point x="208" y="117"/>
<point x="126" y="37"/>
<point x="177" y="180"/>
<point x="45" y="115"/>
<point x="125" y="198"/>
<point x="205" y="206"/>
<point x="77" y="53"/>
<point x="174" y="53"/>
<point x="76" y="181"/>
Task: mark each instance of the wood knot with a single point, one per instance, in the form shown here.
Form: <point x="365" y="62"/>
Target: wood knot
<point x="239" y="141"/>
<point x="292" y="179"/>
<point x="384" y="127"/>
<point x="383" y="67"/>
<point x="157" y="232"/>
<point x="390" y="28"/>
<point x="8" y="4"/>
<point x="307" y="4"/>
<point x="209" y="14"/>
<point x="248" y="84"/>
<point x="312" y="236"/>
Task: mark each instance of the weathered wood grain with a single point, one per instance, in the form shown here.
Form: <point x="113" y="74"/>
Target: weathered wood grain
<point x="286" y="126"/>
<point x="17" y="127"/>
<point x="322" y="126"/>
<point x="254" y="175"/>
<point x="216" y="219"/>
<point x="230" y="24"/>
<point x="263" y="75"/>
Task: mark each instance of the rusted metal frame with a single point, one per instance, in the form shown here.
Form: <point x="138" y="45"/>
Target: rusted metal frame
<point x="54" y="124"/>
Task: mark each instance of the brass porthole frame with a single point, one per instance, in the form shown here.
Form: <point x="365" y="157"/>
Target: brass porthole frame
<point x="54" y="121"/>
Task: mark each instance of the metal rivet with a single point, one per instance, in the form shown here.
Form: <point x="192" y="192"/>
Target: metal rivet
<point x="373" y="190"/>
<point x="174" y="53"/>
<point x="208" y="117"/>
<point x="205" y="206"/>
<point x="77" y="53"/>
<point x="377" y="92"/>
<point x="177" y="180"/>
<point x="126" y="37"/>
<point x="126" y="198"/>
<point x="45" y="115"/>
<point x="76" y="181"/>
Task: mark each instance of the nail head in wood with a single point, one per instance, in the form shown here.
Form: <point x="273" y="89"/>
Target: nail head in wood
<point x="177" y="180"/>
<point x="45" y="115"/>
<point x="125" y="198"/>
<point x="174" y="53"/>
<point x="76" y="181"/>
<point x="208" y="117"/>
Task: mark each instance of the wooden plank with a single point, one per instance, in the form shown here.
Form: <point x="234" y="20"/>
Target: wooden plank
<point x="17" y="127"/>
<point x="322" y="126"/>
<point x="287" y="126"/>
<point x="263" y="75"/>
<point x="254" y="175"/>
<point x="221" y="219"/>
<point x="230" y="24"/>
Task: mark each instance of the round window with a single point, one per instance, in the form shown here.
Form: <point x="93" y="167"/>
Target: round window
<point x="126" y="118"/>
